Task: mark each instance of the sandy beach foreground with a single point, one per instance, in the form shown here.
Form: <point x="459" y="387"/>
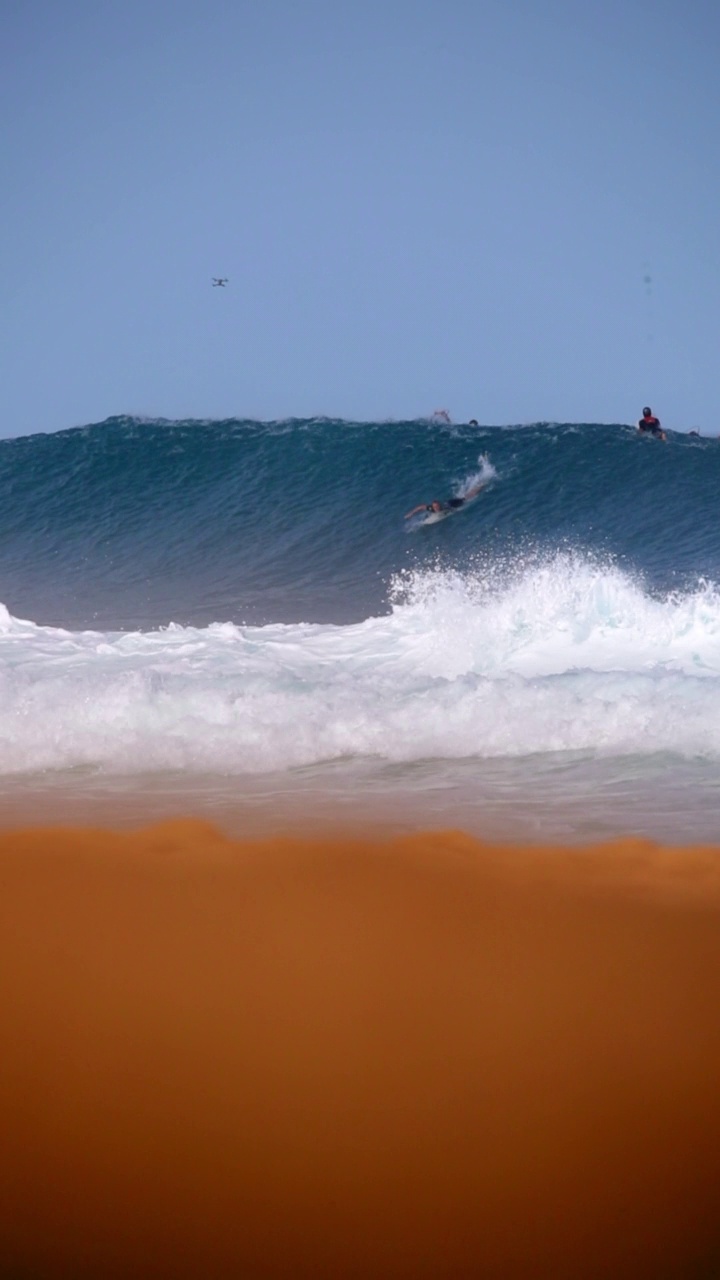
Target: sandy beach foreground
<point x="409" y="1057"/>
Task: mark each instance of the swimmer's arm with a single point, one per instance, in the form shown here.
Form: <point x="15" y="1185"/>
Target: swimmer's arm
<point x="422" y="507"/>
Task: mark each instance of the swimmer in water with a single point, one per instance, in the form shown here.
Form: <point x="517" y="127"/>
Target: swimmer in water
<point x="450" y="504"/>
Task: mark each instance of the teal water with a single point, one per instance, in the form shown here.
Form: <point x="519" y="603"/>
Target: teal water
<point x="130" y="523"/>
<point x="237" y="618"/>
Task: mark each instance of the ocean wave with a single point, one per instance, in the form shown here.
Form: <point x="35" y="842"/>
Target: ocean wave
<point x="568" y="654"/>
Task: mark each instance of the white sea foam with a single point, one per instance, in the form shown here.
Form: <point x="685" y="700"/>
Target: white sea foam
<point x="558" y="656"/>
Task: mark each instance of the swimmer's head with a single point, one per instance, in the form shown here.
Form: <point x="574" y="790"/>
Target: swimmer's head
<point x="647" y="413"/>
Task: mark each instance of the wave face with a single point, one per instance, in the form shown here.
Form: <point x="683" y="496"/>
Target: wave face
<point x="241" y="597"/>
<point x="132" y="524"/>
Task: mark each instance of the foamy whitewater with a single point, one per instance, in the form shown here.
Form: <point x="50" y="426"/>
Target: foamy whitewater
<point x="235" y="617"/>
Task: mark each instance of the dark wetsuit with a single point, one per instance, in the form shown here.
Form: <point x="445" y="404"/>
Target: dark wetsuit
<point x="450" y="505"/>
<point x="650" y="424"/>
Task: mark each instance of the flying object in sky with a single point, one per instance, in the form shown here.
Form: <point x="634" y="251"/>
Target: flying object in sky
<point x="219" y="282"/>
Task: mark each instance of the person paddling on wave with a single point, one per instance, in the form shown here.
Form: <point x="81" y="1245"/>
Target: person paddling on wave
<point x="649" y="423"/>
<point x="451" y="504"/>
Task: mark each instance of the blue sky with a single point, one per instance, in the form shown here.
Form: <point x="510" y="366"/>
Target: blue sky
<point x="508" y="209"/>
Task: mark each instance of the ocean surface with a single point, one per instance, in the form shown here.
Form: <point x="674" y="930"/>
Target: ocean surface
<point x="235" y="619"/>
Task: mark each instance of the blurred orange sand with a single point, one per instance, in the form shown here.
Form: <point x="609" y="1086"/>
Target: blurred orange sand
<point x="414" y="1057"/>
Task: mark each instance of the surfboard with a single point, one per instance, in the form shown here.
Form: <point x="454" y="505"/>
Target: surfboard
<point x="434" y="516"/>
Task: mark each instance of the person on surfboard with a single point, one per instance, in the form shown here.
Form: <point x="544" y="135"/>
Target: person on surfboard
<point x="450" y="504"/>
<point x="650" y="424"/>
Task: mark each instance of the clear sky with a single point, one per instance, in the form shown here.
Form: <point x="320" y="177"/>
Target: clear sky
<point x="508" y="208"/>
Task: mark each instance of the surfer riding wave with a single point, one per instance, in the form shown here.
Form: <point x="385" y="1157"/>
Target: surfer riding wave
<point x="464" y="493"/>
<point x="447" y="506"/>
<point x="436" y="507"/>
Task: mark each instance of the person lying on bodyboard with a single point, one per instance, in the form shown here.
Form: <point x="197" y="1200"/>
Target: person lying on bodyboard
<point x="446" y="508"/>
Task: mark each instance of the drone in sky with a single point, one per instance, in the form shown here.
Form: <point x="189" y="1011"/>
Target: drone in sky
<point x="219" y="282"/>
